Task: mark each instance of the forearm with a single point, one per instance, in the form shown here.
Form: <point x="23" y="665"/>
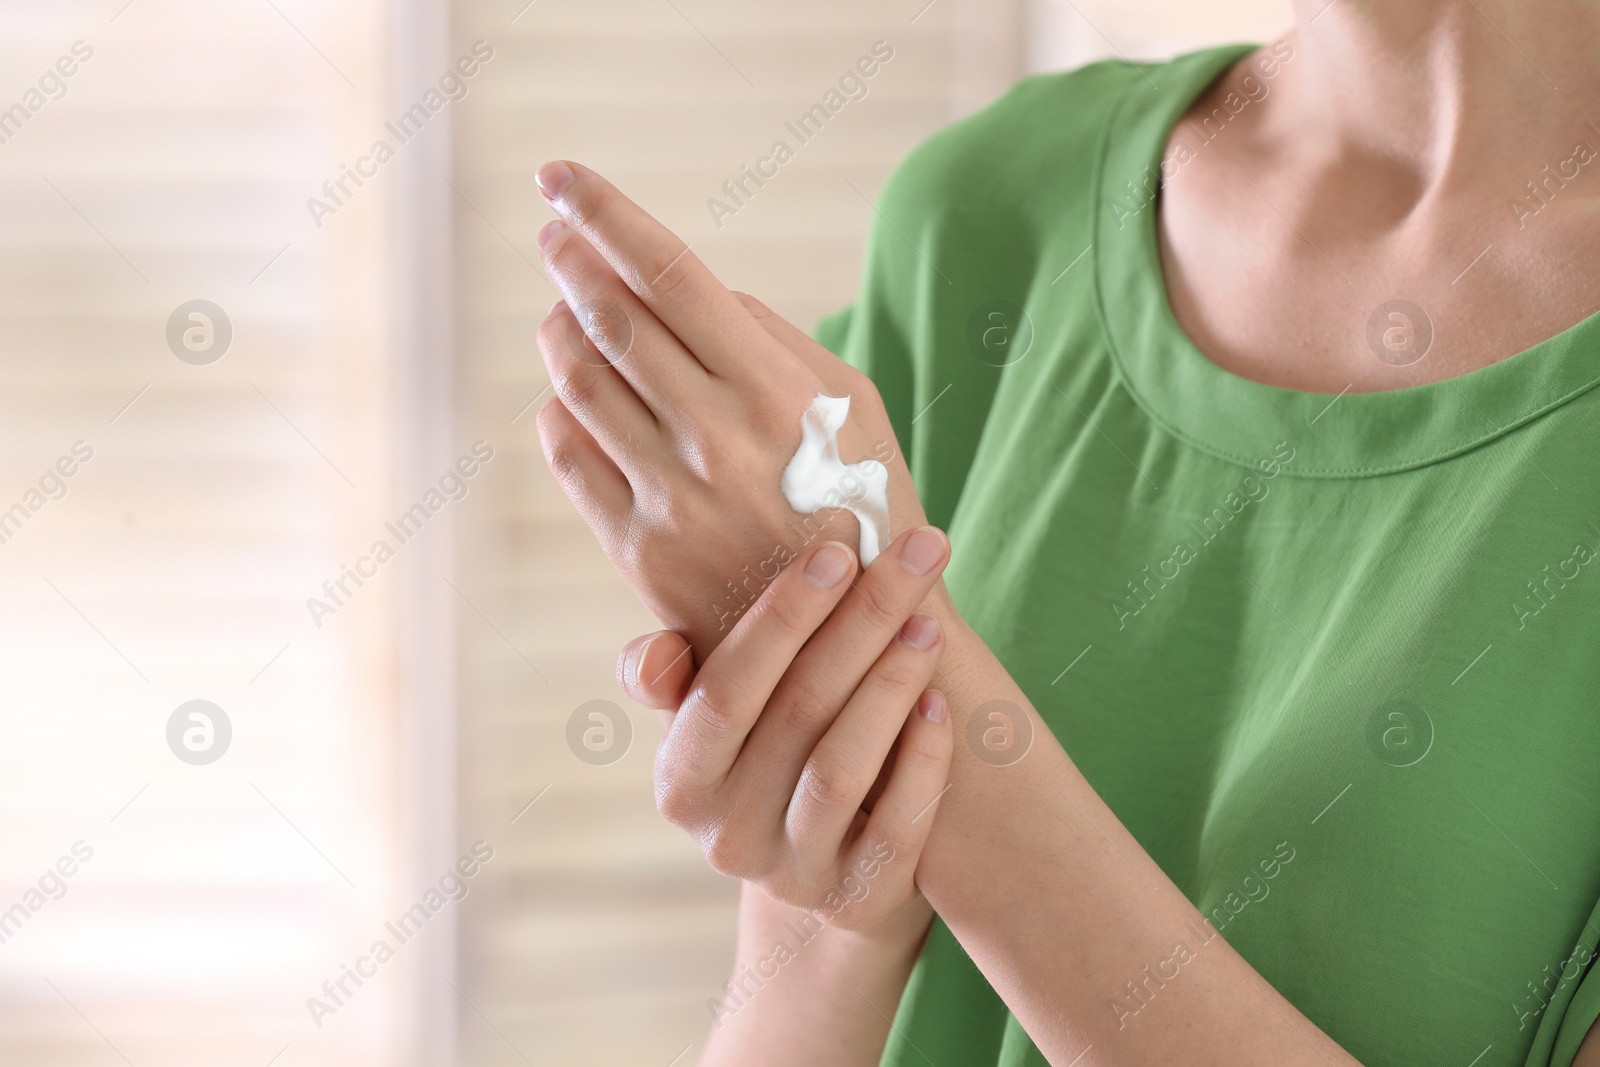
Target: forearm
<point x="802" y="993"/>
<point x="1061" y="908"/>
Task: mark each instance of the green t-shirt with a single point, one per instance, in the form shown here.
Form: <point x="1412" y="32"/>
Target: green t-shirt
<point x="1335" y="662"/>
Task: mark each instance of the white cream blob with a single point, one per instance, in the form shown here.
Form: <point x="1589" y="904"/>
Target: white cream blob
<point x="816" y="479"/>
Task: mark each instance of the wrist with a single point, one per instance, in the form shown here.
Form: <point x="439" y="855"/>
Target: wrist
<point x="1004" y="765"/>
<point x="888" y="950"/>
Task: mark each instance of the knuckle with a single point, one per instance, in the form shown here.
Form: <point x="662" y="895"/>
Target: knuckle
<point x="632" y="552"/>
<point x="901" y="839"/>
<point x="928" y="756"/>
<point x="574" y="388"/>
<point x="881" y="603"/>
<point x="555" y="436"/>
<point x="563" y="464"/>
<point x="806" y="703"/>
<point x="860" y="385"/>
<point x="830" y="786"/>
<point x="676" y="803"/>
<point x="640" y="546"/>
<point x="560" y="252"/>
<point x="712" y="704"/>
<point x="676" y="515"/>
<point x="660" y="278"/>
<point x="694" y="450"/>
<point x="903" y="670"/>
<point x="674" y="807"/>
<point x="728" y="853"/>
<point x="608" y="327"/>
<point x="756" y="308"/>
<point x="701" y="455"/>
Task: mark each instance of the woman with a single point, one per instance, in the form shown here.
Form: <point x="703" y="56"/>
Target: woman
<point x="1255" y="718"/>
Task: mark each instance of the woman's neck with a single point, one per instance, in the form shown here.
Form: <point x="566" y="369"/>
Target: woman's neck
<point x="1446" y="95"/>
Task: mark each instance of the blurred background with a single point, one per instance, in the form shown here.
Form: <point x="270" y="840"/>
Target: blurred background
<point x="268" y="291"/>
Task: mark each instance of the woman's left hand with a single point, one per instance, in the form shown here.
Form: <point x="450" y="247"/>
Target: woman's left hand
<point x="678" y="404"/>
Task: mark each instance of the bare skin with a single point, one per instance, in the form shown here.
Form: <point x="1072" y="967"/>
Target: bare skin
<point x="805" y="1014"/>
<point x="1380" y="165"/>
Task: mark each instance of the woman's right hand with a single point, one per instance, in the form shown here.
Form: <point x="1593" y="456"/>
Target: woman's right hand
<point x="655" y="670"/>
<point x="830" y="996"/>
<point x="807" y="755"/>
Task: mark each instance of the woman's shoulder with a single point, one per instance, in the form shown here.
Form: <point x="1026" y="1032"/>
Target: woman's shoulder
<point x="1042" y="124"/>
<point x="1045" y="130"/>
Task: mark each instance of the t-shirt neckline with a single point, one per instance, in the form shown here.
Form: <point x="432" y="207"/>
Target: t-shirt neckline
<point x="1239" y="419"/>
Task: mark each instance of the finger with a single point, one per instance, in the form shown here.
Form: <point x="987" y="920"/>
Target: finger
<point x="898" y="827"/>
<point x="739" y="676"/>
<point x="834" y="662"/>
<point x="847" y="760"/>
<point x="586" y="474"/>
<point x="592" y="390"/>
<point x="658" y="266"/>
<point x="655" y="669"/>
<point x="821" y="362"/>
<point x="648" y="356"/>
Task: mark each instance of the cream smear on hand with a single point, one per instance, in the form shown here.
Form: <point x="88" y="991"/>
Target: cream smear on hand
<point x="816" y="479"/>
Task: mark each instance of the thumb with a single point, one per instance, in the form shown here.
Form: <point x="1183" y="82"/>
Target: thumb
<point x="655" y="669"/>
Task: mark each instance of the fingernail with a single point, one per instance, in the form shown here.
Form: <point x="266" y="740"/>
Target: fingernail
<point x="931" y="706"/>
<point x="920" y="631"/>
<point x="828" y="566"/>
<point x="648" y="671"/>
<point x="923" y="551"/>
<point x="557" y="308"/>
<point x="549" y="232"/>
<point x="637" y="664"/>
<point x="552" y="179"/>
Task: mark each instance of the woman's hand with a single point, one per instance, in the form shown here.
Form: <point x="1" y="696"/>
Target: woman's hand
<point x="816" y="701"/>
<point x="678" y="405"/>
<point x="673" y="448"/>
